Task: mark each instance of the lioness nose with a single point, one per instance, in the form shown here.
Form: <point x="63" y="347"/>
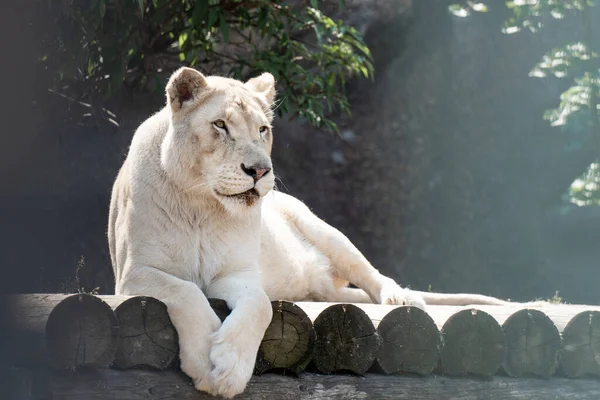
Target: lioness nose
<point x="256" y="171"/>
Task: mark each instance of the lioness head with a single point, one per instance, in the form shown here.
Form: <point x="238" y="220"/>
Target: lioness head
<point x="219" y="138"/>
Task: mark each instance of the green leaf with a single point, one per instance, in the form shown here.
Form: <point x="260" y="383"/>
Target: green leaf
<point x="200" y="13"/>
<point x="182" y="39"/>
<point x="213" y="17"/>
<point x="224" y="29"/>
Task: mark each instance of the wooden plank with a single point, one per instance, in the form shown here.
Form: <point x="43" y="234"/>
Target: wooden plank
<point x="174" y="385"/>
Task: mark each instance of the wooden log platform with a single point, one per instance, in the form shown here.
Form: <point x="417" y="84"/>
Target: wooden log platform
<point x="556" y="342"/>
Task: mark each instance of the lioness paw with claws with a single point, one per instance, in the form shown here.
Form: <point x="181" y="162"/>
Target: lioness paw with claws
<point x="393" y="294"/>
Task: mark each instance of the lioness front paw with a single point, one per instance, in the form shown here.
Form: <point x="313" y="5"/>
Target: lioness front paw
<point x="233" y="358"/>
<point x="195" y="347"/>
<point x="197" y="366"/>
<point x="393" y="294"/>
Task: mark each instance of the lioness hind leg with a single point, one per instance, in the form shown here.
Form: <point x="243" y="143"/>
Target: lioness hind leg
<point x="347" y="262"/>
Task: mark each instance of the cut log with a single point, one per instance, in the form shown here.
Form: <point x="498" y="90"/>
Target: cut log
<point x="61" y="331"/>
<point x="410" y="342"/>
<point x="147" y="336"/>
<point x="220" y="308"/>
<point x="346" y="340"/>
<point x="289" y="341"/>
<point x="532" y="344"/>
<point x="580" y="353"/>
<point x="174" y="385"/>
<point x="473" y="344"/>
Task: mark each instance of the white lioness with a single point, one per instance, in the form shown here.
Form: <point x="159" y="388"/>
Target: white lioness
<point x="192" y="216"/>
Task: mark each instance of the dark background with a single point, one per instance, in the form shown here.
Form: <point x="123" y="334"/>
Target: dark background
<point x="445" y="177"/>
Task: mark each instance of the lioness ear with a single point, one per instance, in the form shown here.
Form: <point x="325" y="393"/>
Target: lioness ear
<point x="263" y="84"/>
<point x="184" y="85"/>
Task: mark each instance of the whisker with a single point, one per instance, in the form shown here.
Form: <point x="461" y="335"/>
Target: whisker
<point x="199" y="185"/>
<point x="278" y="178"/>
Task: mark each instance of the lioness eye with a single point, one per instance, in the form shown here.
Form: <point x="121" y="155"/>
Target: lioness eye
<point x="220" y="124"/>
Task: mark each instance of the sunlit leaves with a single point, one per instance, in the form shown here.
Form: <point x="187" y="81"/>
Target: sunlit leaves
<point x="585" y="190"/>
<point x="559" y="62"/>
<point x="105" y="44"/>
<point x="465" y="8"/>
<point x="529" y="14"/>
<point x="579" y="108"/>
<point x="575" y="99"/>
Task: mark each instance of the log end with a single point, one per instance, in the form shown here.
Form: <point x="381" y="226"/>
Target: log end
<point x="147" y="336"/>
<point x="473" y="344"/>
<point x="289" y="340"/>
<point x="346" y="340"/>
<point x="410" y="342"/>
<point x="580" y="352"/>
<point x="82" y="330"/>
<point x="532" y="344"/>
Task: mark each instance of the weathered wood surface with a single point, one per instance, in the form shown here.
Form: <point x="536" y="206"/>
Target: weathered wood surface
<point x="62" y="331"/>
<point x="346" y="340"/>
<point x="410" y="342"/>
<point x="147" y="337"/>
<point x="532" y="344"/>
<point x="580" y="352"/>
<point x="165" y="385"/>
<point x="473" y="344"/>
<point x="289" y="341"/>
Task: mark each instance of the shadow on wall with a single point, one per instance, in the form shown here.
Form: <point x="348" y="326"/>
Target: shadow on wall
<point x="445" y="176"/>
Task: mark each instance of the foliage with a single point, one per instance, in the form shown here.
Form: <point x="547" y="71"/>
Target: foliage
<point x="579" y="60"/>
<point x="104" y="45"/>
<point x="584" y="191"/>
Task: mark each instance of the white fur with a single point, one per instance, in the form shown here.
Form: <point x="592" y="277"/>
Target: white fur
<point x="177" y="235"/>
